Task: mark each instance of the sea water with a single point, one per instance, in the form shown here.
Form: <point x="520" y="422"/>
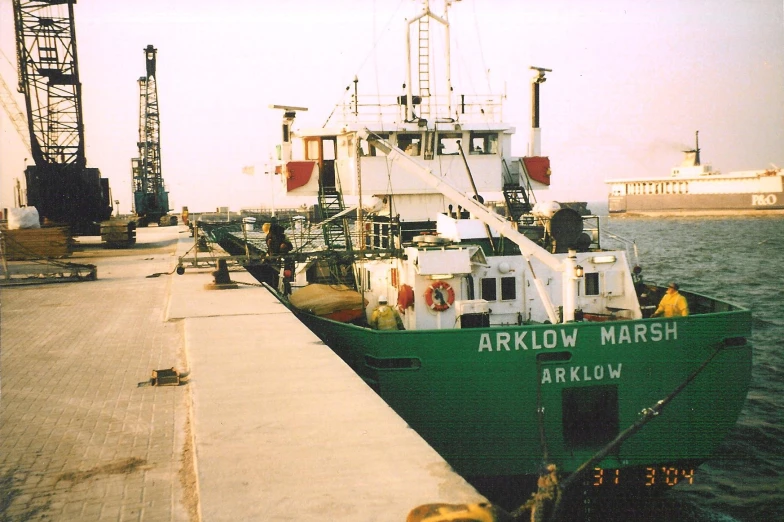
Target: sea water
<point x="739" y="259"/>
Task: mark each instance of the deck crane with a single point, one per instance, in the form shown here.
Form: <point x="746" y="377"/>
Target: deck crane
<point x="150" y="199"/>
<point x="60" y="185"/>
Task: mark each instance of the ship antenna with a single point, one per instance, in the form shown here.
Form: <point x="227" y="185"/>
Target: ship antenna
<point x="697" y="149"/>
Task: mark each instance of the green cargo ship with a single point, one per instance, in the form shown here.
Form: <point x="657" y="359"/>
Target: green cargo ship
<point x="525" y="341"/>
<point x="496" y="400"/>
<point x="518" y="350"/>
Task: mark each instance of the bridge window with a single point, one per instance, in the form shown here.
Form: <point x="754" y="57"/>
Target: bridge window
<point x="411" y="144"/>
<point x="312" y="150"/>
<point x="483" y="143"/>
<point x="318" y="149"/>
<point x="366" y="149"/>
<point x="447" y="143"/>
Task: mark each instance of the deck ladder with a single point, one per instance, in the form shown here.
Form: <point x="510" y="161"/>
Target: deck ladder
<point x="337" y="236"/>
<point x="518" y="198"/>
<point x="424" y="66"/>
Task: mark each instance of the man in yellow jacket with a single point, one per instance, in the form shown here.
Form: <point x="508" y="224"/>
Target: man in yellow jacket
<point x="384" y="317"/>
<point x="673" y="304"/>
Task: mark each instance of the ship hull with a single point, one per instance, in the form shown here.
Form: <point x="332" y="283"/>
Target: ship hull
<point x="474" y="394"/>
<point x="756" y="203"/>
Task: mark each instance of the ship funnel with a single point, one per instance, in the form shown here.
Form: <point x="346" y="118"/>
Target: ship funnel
<point x="691" y="158"/>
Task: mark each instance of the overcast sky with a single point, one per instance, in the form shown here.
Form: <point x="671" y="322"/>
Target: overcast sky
<point x="632" y="81"/>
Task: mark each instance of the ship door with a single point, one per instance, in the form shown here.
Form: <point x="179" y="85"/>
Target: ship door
<point x="590" y="416"/>
<point x="321" y="149"/>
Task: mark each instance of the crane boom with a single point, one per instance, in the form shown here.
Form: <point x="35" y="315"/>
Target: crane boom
<point x="15" y="114"/>
<point x="49" y="79"/>
<point x="59" y="185"/>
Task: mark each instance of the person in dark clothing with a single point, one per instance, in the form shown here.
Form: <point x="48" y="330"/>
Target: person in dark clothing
<point x="277" y="242"/>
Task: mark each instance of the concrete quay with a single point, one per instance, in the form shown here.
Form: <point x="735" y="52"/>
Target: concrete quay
<point x="270" y="426"/>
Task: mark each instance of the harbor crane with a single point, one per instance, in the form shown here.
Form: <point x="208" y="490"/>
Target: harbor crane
<point x="59" y="184"/>
<point x="150" y="199"/>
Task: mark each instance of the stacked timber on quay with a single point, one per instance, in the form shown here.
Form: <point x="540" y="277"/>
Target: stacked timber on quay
<point x="34" y="256"/>
<point x="36" y="243"/>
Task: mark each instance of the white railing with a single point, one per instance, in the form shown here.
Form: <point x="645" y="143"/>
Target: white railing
<point x="392" y="109"/>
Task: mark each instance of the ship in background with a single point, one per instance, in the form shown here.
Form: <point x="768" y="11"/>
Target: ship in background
<point x="694" y="188"/>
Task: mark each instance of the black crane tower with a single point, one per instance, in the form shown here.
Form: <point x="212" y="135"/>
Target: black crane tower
<point x="60" y="185"/>
<point x="150" y="199"/>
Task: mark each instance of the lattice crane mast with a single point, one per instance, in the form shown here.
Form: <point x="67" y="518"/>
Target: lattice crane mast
<point x="60" y="185"/>
<point x="150" y="199"/>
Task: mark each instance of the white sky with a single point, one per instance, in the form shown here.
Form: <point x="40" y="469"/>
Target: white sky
<point x="632" y="81"/>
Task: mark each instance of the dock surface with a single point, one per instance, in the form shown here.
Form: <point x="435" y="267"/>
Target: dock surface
<point x="269" y="424"/>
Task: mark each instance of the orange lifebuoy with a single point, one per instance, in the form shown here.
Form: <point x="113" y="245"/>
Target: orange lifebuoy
<point x="439" y="296"/>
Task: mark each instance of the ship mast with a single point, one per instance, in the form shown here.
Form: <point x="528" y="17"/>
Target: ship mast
<point x="424" y="60"/>
<point x="536" y="132"/>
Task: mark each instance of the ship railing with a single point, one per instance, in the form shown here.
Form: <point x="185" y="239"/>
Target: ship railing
<point x="371" y="110"/>
<point x="628" y="244"/>
<point x="380" y="234"/>
<point x="281" y="214"/>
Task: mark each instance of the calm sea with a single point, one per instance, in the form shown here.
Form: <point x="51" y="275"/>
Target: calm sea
<point x="739" y="259"/>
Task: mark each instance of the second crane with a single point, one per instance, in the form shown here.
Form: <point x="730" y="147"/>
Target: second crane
<point x="150" y="199"/>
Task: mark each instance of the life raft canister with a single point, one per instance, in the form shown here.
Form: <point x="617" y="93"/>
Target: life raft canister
<point x="439" y="296"/>
<point x="405" y="297"/>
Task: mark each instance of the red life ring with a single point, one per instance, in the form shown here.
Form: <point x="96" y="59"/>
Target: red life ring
<point x="439" y="296"/>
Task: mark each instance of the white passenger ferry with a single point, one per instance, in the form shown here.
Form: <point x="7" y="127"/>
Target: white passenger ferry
<point x="694" y="188"/>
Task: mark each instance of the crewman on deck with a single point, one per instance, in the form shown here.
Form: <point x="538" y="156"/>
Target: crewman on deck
<point x="385" y="317"/>
<point x="673" y="304"/>
<point x="277" y="242"/>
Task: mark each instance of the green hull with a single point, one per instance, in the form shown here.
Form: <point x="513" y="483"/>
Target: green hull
<point x="474" y="394"/>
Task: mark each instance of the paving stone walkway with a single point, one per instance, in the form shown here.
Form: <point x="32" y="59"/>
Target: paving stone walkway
<point x="79" y="439"/>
